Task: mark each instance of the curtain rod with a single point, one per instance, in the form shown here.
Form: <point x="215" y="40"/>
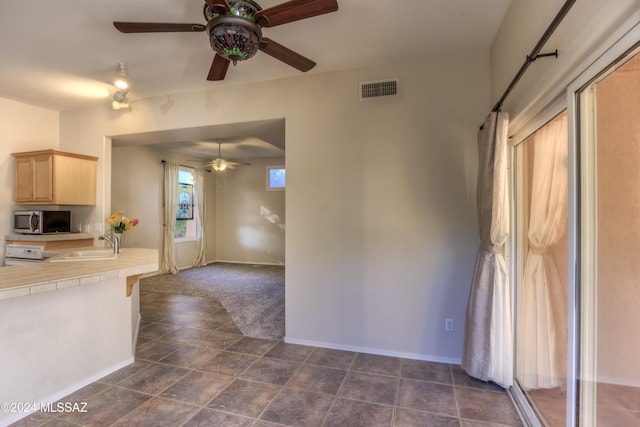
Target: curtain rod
<point x="535" y="53"/>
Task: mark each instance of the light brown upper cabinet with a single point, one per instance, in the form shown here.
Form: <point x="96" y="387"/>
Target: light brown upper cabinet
<point x="51" y="177"/>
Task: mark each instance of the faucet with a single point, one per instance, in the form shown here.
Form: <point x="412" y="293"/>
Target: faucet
<point x="113" y="241"/>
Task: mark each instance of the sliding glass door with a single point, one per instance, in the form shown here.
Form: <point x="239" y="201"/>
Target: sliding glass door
<point x="609" y="246"/>
<point x="541" y="189"/>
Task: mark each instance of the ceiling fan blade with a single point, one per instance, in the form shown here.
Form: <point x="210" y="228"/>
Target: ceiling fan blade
<point x="238" y="162"/>
<point x="286" y="55"/>
<point x="294" y="10"/>
<point x="218" y="68"/>
<point x="219" y="6"/>
<point x="157" y="27"/>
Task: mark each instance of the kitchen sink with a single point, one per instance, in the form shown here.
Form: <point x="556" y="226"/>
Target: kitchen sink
<point x="86" y="255"/>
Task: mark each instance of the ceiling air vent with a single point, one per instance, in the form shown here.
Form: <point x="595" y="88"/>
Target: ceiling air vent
<point x="378" y="89"/>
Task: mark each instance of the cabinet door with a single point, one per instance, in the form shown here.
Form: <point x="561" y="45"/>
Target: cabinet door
<point x="74" y="181"/>
<point x="23" y="180"/>
<point x="42" y="178"/>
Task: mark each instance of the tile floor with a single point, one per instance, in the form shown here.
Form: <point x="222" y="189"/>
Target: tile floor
<point x="616" y="405"/>
<point x="194" y="368"/>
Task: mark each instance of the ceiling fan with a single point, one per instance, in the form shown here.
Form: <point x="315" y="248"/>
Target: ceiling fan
<point x="235" y="27"/>
<point x="220" y="165"/>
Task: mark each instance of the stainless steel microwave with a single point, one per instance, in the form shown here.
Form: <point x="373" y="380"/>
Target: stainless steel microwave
<point x="42" y="222"/>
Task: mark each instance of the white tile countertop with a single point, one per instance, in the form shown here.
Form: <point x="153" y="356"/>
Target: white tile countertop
<point x="56" y="237"/>
<point x="22" y="280"/>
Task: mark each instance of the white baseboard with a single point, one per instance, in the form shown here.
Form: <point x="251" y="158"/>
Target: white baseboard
<point x="67" y="391"/>
<point x="245" y="262"/>
<point x="381" y="352"/>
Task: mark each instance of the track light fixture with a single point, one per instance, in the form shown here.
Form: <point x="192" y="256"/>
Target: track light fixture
<point x="120" y="96"/>
<point x="120" y="100"/>
<point x="121" y="81"/>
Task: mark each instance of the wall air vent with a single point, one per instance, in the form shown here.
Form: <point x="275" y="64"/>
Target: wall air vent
<point x="379" y="89"/>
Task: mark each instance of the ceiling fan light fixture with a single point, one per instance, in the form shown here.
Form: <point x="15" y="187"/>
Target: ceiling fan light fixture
<point x="121" y="81"/>
<point x="234" y="38"/>
<point x="219" y="165"/>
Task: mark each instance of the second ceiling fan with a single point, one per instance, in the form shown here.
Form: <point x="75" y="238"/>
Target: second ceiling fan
<point x="235" y="30"/>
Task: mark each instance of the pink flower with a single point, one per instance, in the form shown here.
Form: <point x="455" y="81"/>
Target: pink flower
<point x="134" y="222"/>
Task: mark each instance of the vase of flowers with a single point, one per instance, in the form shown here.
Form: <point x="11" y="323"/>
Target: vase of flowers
<point x="119" y="224"/>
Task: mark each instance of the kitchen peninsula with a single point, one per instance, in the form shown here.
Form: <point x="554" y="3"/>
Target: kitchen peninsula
<point x="64" y="325"/>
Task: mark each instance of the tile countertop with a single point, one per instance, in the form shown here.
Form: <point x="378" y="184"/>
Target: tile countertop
<point x="22" y="280"/>
<point x="49" y="237"/>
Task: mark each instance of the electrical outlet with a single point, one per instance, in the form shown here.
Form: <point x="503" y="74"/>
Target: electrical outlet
<point x="448" y="325"/>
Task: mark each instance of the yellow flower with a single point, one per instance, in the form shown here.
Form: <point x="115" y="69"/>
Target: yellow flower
<point x="120" y="223"/>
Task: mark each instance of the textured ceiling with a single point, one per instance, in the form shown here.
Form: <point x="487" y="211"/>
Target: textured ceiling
<point x="64" y="54"/>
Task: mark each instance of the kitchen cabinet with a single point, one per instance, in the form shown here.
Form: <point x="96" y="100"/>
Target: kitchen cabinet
<point x="51" y="177"/>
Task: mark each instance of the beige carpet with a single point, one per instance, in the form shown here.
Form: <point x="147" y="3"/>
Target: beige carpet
<point x="253" y="295"/>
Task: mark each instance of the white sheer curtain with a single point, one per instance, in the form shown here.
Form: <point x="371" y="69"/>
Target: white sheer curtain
<point x="488" y="345"/>
<point x="200" y="257"/>
<point x="542" y="326"/>
<point x="169" y="263"/>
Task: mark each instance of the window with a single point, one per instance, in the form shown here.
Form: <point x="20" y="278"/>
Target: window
<point x="187" y="229"/>
<point x="276" y="178"/>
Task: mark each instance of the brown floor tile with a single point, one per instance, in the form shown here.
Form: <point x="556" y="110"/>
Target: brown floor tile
<point x="189" y="356"/>
<point x="197" y="387"/>
<point x="427" y="396"/>
<point x="154" y="379"/>
<point x="244" y="398"/>
<point x="228" y="363"/>
<point x="209" y="418"/>
<point x="317" y="378"/>
<point x="105" y="408"/>
<point x="290" y="352"/>
<point x="33" y="420"/>
<point x="493" y="407"/>
<point x="270" y="371"/>
<point x="175" y="318"/>
<point x="347" y="412"/>
<point x="297" y="408"/>
<point x="155" y="350"/>
<point x="618" y="396"/>
<point x="370" y="387"/>
<point x="55" y="422"/>
<point x="158" y="412"/>
<point x="376" y="364"/>
<point x="426" y="371"/>
<point x="609" y="417"/>
<point x="216" y="339"/>
<point x="155" y="330"/>
<point x="230" y="328"/>
<point x="412" y="418"/>
<point x="125" y="372"/>
<point x="552" y="411"/>
<point x="210" y="324"/>
<point x="184" y="335"/>
<point x="253" y="346"/>
<point x="331" y="358"/>
<point x="461" y="378"/>
<point x="84" y="393"/>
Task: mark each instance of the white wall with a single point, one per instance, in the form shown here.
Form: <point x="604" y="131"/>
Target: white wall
<point x="136" y="188"/>
<point x="63" y="340"/>
<point x="380" y="204"/>
<point x="22" y="128"/>
<point x="579" y="39"/>
<point x="250" y="221"/>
